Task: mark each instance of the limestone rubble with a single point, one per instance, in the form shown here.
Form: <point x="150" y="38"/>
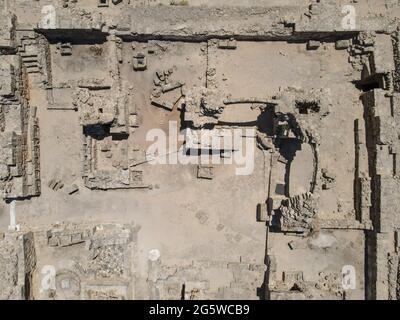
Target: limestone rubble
<point x="305" y="92"/>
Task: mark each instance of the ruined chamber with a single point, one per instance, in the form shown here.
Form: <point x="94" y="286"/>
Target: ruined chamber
<point x="182" y="151"/>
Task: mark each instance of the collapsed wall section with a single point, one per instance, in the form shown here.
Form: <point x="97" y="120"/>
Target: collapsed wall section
<point x="382" y="119"/>
<point x="19" y="130"/>
<point x="17" y="262"/>
<point x="375" y="191"/>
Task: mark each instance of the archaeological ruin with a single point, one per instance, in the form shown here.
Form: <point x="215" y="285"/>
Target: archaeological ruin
<point x="200" y="150"/>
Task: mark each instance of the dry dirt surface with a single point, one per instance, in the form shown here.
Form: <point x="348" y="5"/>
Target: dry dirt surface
<point x="197" y="149"/>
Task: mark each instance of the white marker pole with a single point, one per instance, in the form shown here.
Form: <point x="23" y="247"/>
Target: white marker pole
<point x="13" y="218"/>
